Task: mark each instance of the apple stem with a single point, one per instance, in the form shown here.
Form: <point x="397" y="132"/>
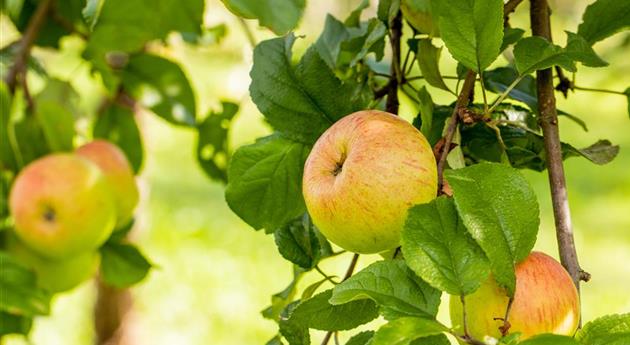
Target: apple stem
<point x="541" y="26"/>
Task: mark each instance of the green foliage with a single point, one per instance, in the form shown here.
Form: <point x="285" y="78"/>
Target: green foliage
<point x="213" y="152"/>
<point x="362" y="338"/>
<point x="438" y="248"/>
<point x="534" y="53"/>
<point x="604" y="18"/>
<point x="426" y="112"/>
<point x="318" y="313"/>
<point x="280" y="16"/>
<point x="302" y="101"/>
<point x="405" y="330"/>
<point x="160" y="85"/>
<point x="301" y="243"/>
<point x="14" y="324"/>
<point x="500" y="210"/>
<point x="122" y="264"/>
<point x="118" y="124"/>
<point x="511" y="36"/>
<point x="549" y="339"/>
<point x="394" y="287"/>
<point x="609" y="330"/>
<point x="265" y="182"/>
<point x="20" y="294"/>
<point x="472" y="30"/>
<point x="428" y="57"/>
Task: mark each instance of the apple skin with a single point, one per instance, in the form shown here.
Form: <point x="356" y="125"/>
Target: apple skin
<point x="56" y="275"/>
<point x="546" y="301"/>
<point x="361" y="177"/>
<point x="119" y="174"/>
<point x="62" y="206"/>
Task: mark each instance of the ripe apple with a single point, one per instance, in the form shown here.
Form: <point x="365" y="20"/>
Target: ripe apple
<point x="363" y="174"/>
<point x="119" y="175"/>
<point x="418" y="14"/>
<point x="62" y="206"/>
<point x="546" y="301"/>
<point x="56" y="275"/>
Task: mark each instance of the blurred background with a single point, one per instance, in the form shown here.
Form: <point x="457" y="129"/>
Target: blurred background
<point x="215" y="274"/>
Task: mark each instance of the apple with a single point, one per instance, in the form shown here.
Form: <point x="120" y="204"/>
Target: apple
<point x="362" y="175"/>
<point x="546" y="301"/>
<point x="56" y="275"/>
<point x="418" y="14"/>
<point x="119" y="174"/>
<point x="62" y="206"/>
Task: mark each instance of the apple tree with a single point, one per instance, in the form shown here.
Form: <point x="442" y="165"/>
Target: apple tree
<point x="462" y="220"/>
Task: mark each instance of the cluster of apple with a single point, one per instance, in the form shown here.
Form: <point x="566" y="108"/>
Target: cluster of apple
<point x="65" y="206"/>
<point x="362" y="176"/>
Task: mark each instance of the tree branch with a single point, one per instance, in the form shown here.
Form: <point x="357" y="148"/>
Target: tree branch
<point x="541" y="26"/>
<point x="394" y="38"/>
<point x="462" y="102"/>
<point x="26" y="42"/>
<point x="349" y="271"/>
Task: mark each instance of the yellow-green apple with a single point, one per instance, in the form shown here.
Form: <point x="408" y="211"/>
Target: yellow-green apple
<point x="118" y="172"/>
<point x="362" y="175"/>
<point x="56" y="275"/>
<point x="62" y="206"/>
<point x="546" y="301"/>
<point x="418" y="14"/>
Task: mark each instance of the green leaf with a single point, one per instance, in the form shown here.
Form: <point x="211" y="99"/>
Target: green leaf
<point x="57" y="124"/>
<point x="419" y="13"/>
<point x="30" y="138"/>
<point x="439" y="116"/>
<point x="536" y="53"/>
<point x="160" y="85"/>
<point x="472" y="30"/>
<point x="123" y="265"/>
<point x="511" y="36"/>
<point x="213" y="152"/>
<point x="603" y="18"/>
<point x="579" y="50"/>
<point x="281" y="16"/>
<point x="362" y="338"/>
<point x="393" y="286"/>
<point x="118" y="124"/>
<point x="20" y="294"/>
<point x="51" y="30"/>
<point x="275" y="341"/>
<point x="318" y="313"/>
<point x="126" y="26"/>
<point x="281" y="300"/>
<point x="61" y="92"/>
<point x="598" y="331"/>
<point x="387" y="10"/>
<point x="300" y="102"/>
<point x="438" y="248"/>
<point x="92" y="11"/>
<point x="405" y="330"/>
<point x="299" y="242"/>
<point x="498" y="80"/>
<point x="549" y="339"/>
<point x="14" y="324"/>
<point x="265" y="182"/>
<point x="355" y="16"/>
<point x="500" y="210"/>
<point x="439" y="339"/>
<point x="524" y="148"/>
<point x="428" y="57"/>
<point x="602" y="152"/>
<point x="7" y="159"/>
<point x="426" y="111"/>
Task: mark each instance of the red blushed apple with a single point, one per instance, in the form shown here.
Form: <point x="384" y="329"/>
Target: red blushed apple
<point x="62" y="206"/>
<point x="546" y="301"/>
<point x="119" y="175"/>
<point x="361" y="177"/>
